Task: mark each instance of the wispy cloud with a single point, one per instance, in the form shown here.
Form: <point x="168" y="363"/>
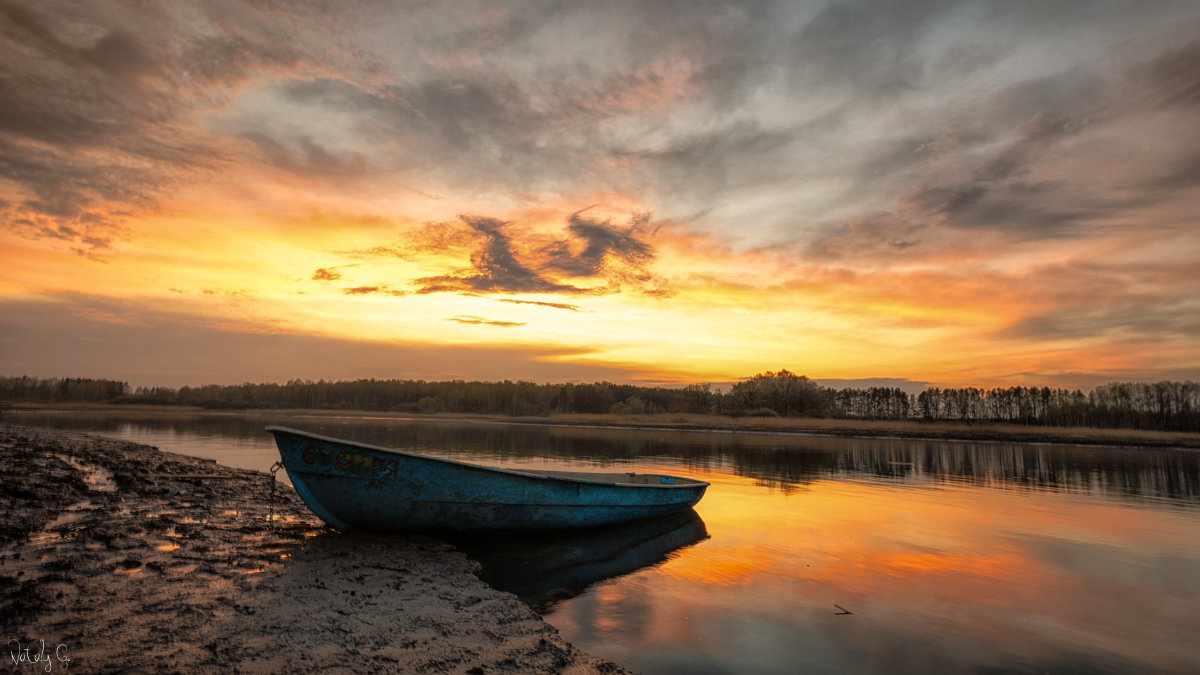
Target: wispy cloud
<point x="539" y="303"/>
<point x="378" y="289"/>
<point x="480" y="321"/>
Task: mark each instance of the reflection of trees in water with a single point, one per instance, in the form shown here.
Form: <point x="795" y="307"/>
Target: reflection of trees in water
<point x="170" y="423"/>
<point x="781" y="461"/>
<point x="1130" y="473"/>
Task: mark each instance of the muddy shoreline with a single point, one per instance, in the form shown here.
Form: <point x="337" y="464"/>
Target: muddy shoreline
<point x="115" y="556"/>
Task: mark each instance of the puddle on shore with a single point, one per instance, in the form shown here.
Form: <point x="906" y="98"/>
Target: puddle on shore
<point x="286" y="519"/>
<point x="58" y="529"/>
<point x="130" y="566"/>
<point x="96" y="478"/>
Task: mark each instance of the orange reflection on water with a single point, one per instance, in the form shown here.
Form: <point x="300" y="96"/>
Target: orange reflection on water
<point x="906" y="563"/>
<point x="994" y="574"/>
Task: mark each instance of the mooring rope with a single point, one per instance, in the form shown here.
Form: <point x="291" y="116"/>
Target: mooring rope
<point x="271" y="514"/>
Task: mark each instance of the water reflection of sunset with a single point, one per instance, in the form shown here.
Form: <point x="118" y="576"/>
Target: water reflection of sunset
<point x="1004" y="575"/>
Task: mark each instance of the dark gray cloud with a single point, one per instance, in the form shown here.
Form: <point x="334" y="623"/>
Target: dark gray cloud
<point x="700" y="165"/>
<point x="603" y="245"/>
<point x="1183" y="174"/>
<point x="554" y="122"/>
<point x="101" y="106"/>
<point x="63" y="106"/>
<point x="975" y="141"/>
<point x="502" y="262"/>
<point x="235" y="54"/>
<point x="865" y="51"/>
<point x="1145" y="320"/>
<point x="997" y="164"/>
<point x="1174" y="76"/>
<point x="989" y="161"/>
<point x="461" y="128"/>
<point x="799" y="119"/>
<point x="87" y="82"/>
<point x="875" y="51"/>
<point x="1147" y="303"/>
<point x="1028" y="210"/>
<point x="304" y="156"/>
<point x="876" y="235"/>
<point x="495" y="267"/>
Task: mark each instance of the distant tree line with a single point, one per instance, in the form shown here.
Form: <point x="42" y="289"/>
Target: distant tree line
<point x="60" y="390"/>
<point x="1171" y="406"/>
<point x="456" y="396"/>
<point x="1166" y="406"/>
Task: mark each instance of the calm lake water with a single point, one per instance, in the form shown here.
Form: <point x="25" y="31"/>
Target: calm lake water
<point x="813" y="554"/>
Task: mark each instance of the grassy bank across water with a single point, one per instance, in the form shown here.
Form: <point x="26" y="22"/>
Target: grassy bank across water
<point x="936" y="430"/>
<point x="967" y="431"/>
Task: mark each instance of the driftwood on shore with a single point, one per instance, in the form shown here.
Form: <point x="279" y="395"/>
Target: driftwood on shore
<point x="116" y="556"/>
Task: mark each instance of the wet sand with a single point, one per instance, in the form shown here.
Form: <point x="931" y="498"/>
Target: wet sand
<point x="118" y="557"/>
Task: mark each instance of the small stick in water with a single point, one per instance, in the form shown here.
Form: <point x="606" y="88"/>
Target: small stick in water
<point x="844" y="610"/>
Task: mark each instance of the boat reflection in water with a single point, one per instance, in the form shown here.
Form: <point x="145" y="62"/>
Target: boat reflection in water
<point x="543" y="569"/>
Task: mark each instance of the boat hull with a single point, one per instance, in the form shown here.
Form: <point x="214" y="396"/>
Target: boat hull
<point x="353" y="486"/>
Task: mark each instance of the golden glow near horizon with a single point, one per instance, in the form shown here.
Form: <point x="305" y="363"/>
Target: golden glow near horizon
<point x="355" y="182"/>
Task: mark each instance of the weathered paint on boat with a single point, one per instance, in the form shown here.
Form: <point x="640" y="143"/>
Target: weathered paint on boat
<point x="354" y="486"/>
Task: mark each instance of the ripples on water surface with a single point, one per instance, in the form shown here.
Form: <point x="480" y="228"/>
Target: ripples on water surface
<point x="950" y="557"/>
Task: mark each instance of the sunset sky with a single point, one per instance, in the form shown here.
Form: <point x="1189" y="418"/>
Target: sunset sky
<point x="943" y="192"/>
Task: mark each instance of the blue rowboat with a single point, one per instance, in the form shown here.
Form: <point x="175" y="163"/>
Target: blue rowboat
<point x="354" y="486"/>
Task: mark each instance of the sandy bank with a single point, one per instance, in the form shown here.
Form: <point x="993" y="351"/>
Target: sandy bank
<point x="120" y="557"/>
